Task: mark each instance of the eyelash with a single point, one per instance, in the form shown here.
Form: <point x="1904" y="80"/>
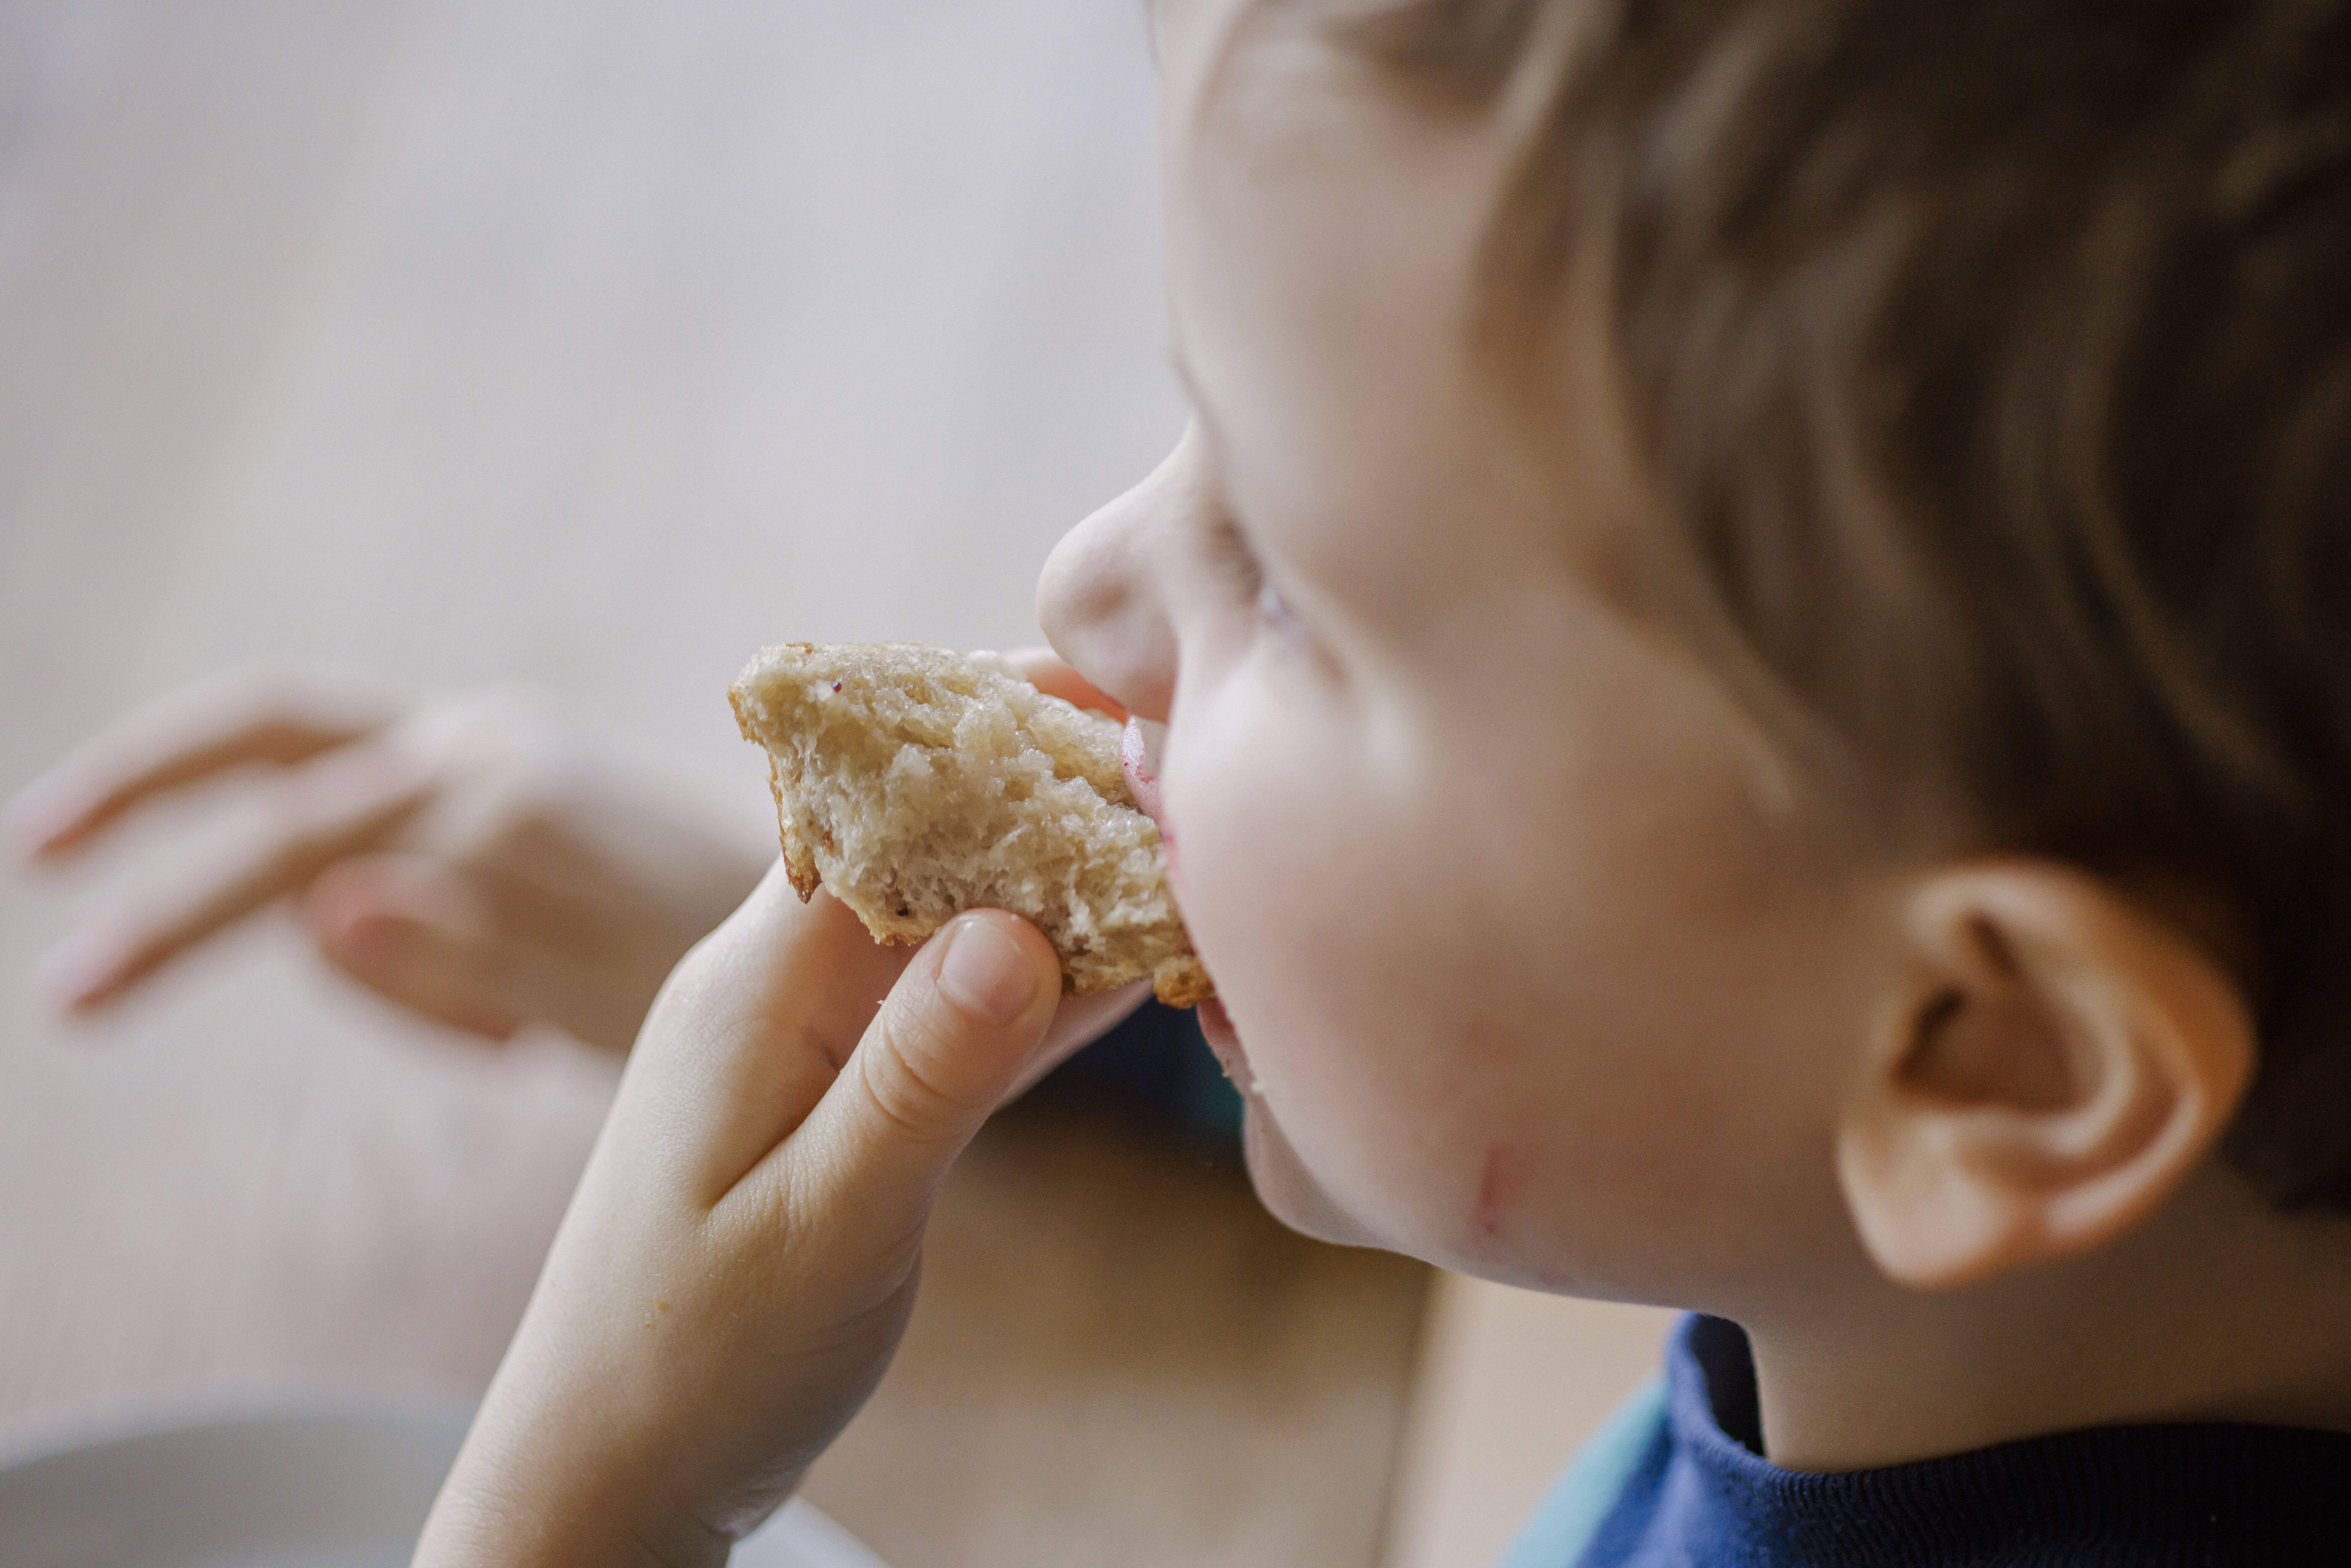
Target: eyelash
<point x="1232" y="551"/>
<point x="1274" y="610"/>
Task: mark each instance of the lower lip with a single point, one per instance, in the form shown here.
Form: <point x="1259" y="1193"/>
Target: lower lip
<point x="1222" y="1040"/>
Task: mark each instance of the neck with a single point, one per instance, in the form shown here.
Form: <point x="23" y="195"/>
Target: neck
<point x="2219" y="1309"/>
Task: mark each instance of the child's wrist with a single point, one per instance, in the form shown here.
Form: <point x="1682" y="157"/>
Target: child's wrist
<point x="500" y="1510"/>
<point x="473" y="1529"/>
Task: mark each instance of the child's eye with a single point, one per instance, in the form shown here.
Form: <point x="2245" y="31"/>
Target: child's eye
<point x="1274" y="610"/>
<point x="1234" y="554"/>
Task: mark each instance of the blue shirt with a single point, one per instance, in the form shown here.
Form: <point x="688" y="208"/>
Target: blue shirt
<point x="1677" y="1480"/>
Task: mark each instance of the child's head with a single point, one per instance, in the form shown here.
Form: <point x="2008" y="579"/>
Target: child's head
<point x="1751" y="627"/>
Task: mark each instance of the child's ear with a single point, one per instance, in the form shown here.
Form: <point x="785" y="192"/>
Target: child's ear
<point x="2058" y="1060"/>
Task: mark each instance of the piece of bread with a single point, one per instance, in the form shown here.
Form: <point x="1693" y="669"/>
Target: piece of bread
<point x="916" y="782"/>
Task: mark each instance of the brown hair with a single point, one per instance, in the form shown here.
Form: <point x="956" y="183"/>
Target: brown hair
<point x="1992" y="364"/>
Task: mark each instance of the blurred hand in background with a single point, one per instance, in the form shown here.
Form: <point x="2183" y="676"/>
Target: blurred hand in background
<point x="474" y="859"/>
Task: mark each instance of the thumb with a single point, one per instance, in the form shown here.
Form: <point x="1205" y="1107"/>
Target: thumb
<point x="945" y="1050"/>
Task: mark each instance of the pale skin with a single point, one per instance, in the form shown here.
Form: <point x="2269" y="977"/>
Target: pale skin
<point x="1540" y="965"/>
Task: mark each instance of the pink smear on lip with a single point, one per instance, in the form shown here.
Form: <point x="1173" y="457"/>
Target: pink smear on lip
<point x="1141" y="776"/>
<point x="1225" y="1041"/>
<point x="1134" y="760"/>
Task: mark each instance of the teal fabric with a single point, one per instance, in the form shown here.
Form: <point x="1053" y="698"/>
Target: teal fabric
<point x="1568" y="1517"/>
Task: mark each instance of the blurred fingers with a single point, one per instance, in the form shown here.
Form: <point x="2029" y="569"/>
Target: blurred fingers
<point x="341" y="805"/>
<point x="182" y="737"/>
<point x="444" y="940"/>
<point x="415" y="934"/>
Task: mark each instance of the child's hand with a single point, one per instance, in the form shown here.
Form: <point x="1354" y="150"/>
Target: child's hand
<point x="739" y="1261"/>
<point x="468" y="859"/>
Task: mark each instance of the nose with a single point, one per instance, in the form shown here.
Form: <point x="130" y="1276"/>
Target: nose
<point x="1102" y="596"/>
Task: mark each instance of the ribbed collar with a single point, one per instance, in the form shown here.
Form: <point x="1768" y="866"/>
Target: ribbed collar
<point x="2144" y="1497"/>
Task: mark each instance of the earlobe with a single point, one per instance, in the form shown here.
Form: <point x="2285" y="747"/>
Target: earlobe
<point x="2057" y="1061"/>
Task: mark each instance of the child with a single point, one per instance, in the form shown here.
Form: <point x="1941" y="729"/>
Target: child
<point x="1756" y="705"/>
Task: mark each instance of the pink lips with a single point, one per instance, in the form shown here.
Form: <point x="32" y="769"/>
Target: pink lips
<point x="1138" y="758"/>
<point x="1225" y="1041"/>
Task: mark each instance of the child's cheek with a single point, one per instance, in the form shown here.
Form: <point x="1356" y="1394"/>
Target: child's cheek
<point x="1500" y="1228"/>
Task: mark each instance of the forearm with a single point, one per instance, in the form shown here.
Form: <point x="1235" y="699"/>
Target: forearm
<point x="503" y="1508"/>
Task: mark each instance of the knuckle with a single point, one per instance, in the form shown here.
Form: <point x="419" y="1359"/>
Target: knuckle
<point x="696" y="996"/>
<point x="908" y="1079"/>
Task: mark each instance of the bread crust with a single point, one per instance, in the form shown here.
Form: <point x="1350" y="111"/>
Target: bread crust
<point x="915" y="782"/>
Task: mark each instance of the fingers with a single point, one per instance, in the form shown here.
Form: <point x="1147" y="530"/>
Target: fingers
<point x="179" y="739"/>
<point x="751" y="1030"/>
<point x="1055" y="676"/>
<point x="338" y="807"/>
<point x="418" y="937"/>
<point x="446" y="941"/>
<point x="949" y="1045"/>
<point x="780" y="1051"/>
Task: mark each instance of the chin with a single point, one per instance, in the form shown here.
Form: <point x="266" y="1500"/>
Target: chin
<point x="1284" y="1184"/>
<point x="1288" y="1189"/>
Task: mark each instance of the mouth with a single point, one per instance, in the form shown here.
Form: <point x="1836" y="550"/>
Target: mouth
<point x="1217" y="1026"/>
<point x="1138" y="759"/>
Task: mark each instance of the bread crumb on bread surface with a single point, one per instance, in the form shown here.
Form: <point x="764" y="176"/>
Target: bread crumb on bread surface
<point x="915" y="782"/>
